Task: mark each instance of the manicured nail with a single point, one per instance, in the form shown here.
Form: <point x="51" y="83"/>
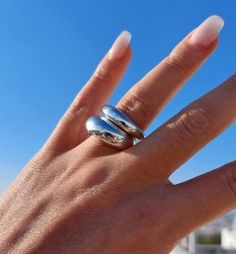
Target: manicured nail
<point x="208" y="31"/>
<point x="120" y="45"/>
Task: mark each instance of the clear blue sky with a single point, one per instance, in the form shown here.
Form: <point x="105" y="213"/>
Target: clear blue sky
<point x="48" y="49"/>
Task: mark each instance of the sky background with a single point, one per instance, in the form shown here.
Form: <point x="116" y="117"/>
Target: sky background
<point x="48" y="50"/>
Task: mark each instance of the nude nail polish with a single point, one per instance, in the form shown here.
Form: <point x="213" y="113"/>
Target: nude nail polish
<point x="120" y="45"/>
<point x="208" y="31"/>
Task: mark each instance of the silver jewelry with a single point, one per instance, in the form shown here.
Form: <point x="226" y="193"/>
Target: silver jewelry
<point x="114" y="128"/>
<point x="121" y="120"/>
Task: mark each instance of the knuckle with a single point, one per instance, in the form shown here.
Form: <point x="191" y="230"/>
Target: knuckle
<point x="79" y="107"/>
<point x="192" y="125"/>
<point x="137" y="104"/>
<point x="178" y="61"/>
<point x="102" y="72"/>
<point x="230" y="178"/>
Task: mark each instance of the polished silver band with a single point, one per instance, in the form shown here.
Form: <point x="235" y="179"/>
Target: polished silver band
<point x="114" y="128"/>
<point x="121" y="120"/>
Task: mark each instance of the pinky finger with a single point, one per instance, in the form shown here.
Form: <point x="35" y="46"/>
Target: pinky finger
<point x="207" y="197"/>
<point x="70" y="130"/>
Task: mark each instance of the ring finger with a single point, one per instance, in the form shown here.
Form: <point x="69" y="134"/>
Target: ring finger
<point x="146" y="99"/>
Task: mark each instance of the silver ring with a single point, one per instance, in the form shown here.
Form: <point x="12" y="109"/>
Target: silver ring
<point x="121" y="120"/>
<point x="114" y="128"/>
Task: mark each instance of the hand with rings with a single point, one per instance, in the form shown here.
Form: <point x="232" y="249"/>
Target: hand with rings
<point x="99" y="185"/>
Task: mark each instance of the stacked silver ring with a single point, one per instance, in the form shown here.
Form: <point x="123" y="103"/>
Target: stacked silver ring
<point x="114" y="127"/>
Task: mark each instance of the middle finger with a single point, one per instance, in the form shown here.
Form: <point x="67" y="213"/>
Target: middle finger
<point x="146" y="99"/>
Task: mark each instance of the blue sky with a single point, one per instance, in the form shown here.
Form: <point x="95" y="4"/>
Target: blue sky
<point x="48" y="49"/>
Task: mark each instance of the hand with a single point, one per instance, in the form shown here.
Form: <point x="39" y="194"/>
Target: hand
<point x="78" y="195"/>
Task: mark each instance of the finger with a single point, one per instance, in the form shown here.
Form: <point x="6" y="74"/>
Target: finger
<point x="71" y="128"/>
<point x="206" y="197"/>
<point x="146" y="99"/>
<point x="152" y="93"/>
<point x="187" y="132"/>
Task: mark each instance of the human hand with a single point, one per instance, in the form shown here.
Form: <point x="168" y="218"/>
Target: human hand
<point x="78" y="195"/>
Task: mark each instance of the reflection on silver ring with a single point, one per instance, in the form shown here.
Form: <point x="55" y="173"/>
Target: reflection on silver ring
<point x="108" y="132"/>
<point x="114" y="128"/>
<point x="121" y="120"/>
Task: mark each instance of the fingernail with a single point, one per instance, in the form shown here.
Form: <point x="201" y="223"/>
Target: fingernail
<point x="208" y="31"/>
<point x="120" y="45"/>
